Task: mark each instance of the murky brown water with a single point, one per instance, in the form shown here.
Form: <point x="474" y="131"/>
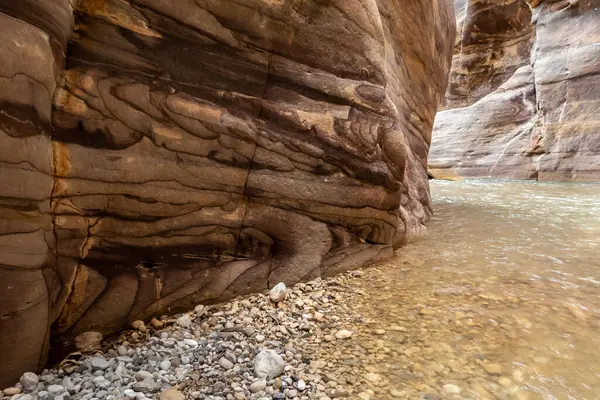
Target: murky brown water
<point x="501" y="299"/>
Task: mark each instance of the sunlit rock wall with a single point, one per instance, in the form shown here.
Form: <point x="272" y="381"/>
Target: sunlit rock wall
<point x="155" y="154"/>
<point x="524" y="95"/>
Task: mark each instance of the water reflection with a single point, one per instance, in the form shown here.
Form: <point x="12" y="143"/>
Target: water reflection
<point x="508" y="277"/>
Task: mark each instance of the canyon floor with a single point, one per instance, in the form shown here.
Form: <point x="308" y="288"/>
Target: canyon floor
<point x="498" y="301"/>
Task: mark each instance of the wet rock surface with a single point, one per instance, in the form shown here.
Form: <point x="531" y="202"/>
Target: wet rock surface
<point x="158" y="154"/>
<point x="523" y="97"/>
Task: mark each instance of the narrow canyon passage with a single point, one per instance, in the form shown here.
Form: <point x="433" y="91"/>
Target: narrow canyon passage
<point x="499" y="300"/>
<point x="189" y="191"/>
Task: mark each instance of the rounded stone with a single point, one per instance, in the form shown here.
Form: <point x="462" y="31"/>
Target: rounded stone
<point x="494" y="369"/>
<point x="278" y="293"/>
<point x="225" y="363"/>
<point x="171" y="394"/>
<point x="29" y="381"/>
<point x="139" y="325"/>
<point x="146" y="386"/>
<point x="143" y="375"/>
<point x="157" y="324"/>
<point x="451" y="389"/>
<point x="55" y="389"/>
<point x="258" y="385"/>
<point x="301" y="385"/>
<point x="99" y="364"/>
<point x="101" y="382"/>
<point x="11" y="391"/>
<point x="343" y="334"/>
<point x="184" y="321"/>
<point x="268" y="364"/>
<point x="165" y="365"/>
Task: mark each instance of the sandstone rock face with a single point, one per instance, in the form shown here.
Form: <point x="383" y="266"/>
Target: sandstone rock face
<point x="524" y="92"/>
<point x="156" y="154"/>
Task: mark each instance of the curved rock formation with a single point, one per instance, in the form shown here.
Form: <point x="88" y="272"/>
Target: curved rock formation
<point x="156" y="154"/>
<point x="524" y="95"/>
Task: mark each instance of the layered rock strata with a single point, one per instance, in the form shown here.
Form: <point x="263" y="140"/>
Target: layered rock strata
<point x="524" y="92"/>
<point x="156" y="154"/>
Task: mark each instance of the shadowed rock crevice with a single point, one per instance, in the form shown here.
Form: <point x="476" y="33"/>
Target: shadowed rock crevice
<point x="162" y="154"/>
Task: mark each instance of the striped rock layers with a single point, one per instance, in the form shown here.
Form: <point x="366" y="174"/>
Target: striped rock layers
<point x="155" y="154"/>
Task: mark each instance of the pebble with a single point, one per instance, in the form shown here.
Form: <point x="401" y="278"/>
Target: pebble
<point x="504" y="381"/>
<point x="101" y="382"/>
<point x="491" y="368"/>
<point x="191" y="342"/>
<point x="143" y="375"/>
<point x="258" y="386"/>
<point x="278" y="293"/>
<point x="157" y="324"/>
<point x="146" y="386"/>
<point x="29" y="381"/>
<point x="55" y="389"/>
<point x="100" y="364"/>
<point x="184" y="321"/>
<point x="11" y="391"/>
<point x="139" y="325"/>
<point x="199" y="309"/>
<point x="122" y="350"/>
<point x="171" y="394"/>
<point x="343" y="334"/>
<point x="451" y="389"/>
<point x="225" y="363"/>
<point x="373" y="377"/>
<point x="268" y="364"/>
<point x="165" y="365"/>
<point x="398" y="394"/>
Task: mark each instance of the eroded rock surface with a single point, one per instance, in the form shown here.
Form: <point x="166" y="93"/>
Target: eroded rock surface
<point x="523" y="97"/>
<point x="157" y="154"/>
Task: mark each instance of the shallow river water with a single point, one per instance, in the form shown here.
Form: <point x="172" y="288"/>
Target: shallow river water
<point x="501" y="299"/>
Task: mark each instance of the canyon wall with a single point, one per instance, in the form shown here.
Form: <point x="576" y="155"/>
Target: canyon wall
<point x="523" y="100"/>
<point x="156" y="154"/>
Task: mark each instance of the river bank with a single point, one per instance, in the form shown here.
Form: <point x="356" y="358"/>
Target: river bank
<point x="211" y="353"/>
<point x="331" y="344"/>
<point x="498" y="301"/>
